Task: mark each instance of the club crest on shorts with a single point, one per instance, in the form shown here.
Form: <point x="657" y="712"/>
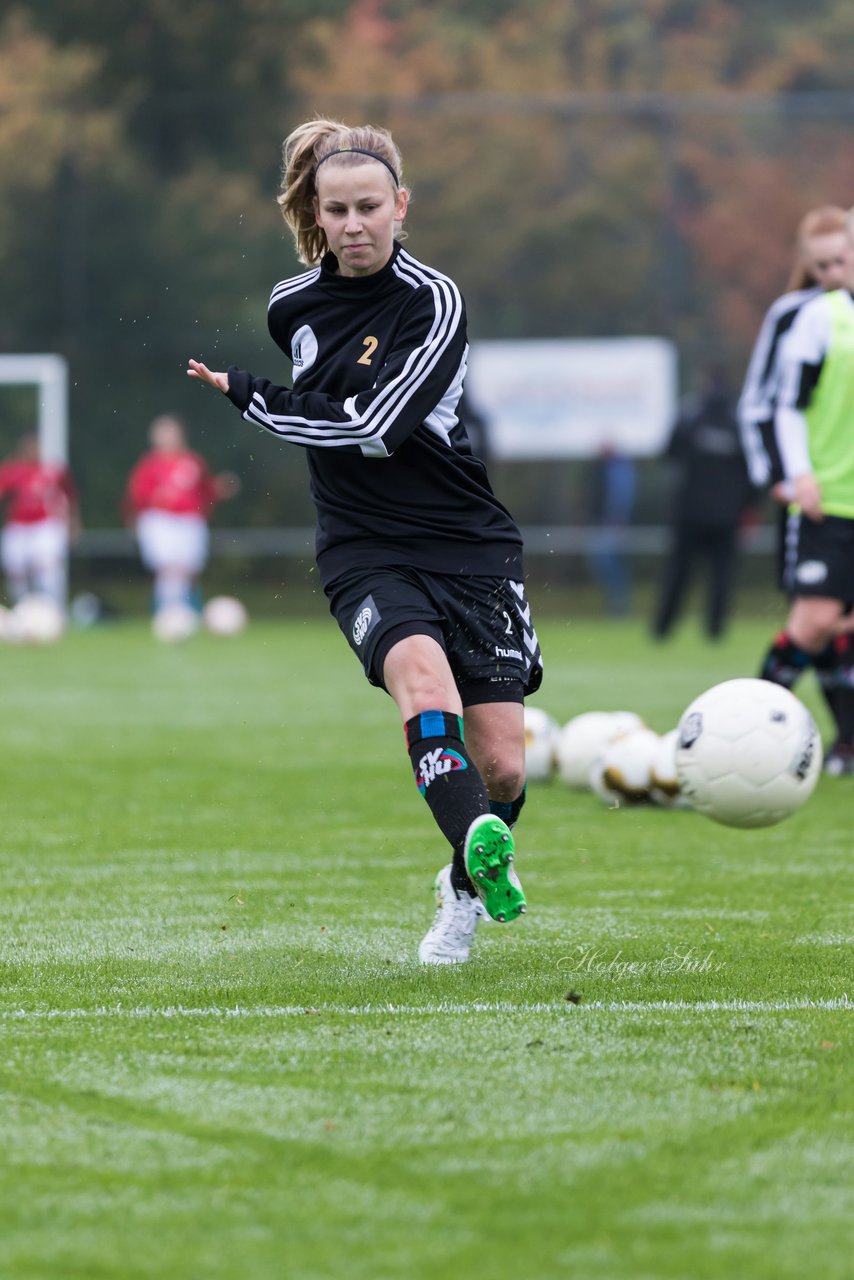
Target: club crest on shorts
<point x="367" y="617"/>
<point x="811" y="572"/>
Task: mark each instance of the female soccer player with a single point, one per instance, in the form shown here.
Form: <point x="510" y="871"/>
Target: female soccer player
<point x="813" y="418"/>
<point x="820" y="259"/>
<point x="821" y="262"/>
<point x="421" y="564"/>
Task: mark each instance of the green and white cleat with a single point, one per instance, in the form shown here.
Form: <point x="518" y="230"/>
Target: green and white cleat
<point x="489" y="853"/>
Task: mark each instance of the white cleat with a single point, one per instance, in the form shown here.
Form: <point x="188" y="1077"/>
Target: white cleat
<point x="449" y="938"/>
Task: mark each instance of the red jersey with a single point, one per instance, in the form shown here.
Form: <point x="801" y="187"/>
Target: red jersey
<point x="176" y="482"/>
<point x="36" y="491"/>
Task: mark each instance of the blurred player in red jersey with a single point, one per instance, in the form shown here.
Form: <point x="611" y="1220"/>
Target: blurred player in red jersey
<point x="170" y="495"/>
<point x="41" y="515"/>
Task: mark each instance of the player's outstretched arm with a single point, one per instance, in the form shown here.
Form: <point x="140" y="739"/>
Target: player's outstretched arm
<point x="204" y="374"/>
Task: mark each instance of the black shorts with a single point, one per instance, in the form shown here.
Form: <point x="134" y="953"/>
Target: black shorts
<point x="483" y="624"/>
<point x="820" y="557"/>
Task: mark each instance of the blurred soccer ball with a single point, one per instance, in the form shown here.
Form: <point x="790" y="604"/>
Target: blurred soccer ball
<point x="583" y="739"/>
<point x="174" y="623"/>
<point x="622" y="775"/>
<point x="748" y="753"/>
<point x="86" y="609"/>
<point x="224" y="616"/>
<point x="665" y="790"/>
<point x="37" y="619"/>
<point x="541" y="734"/>
<point x="624" y="722"/>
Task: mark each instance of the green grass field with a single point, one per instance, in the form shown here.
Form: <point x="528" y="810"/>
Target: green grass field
<point x="220" y="1058"/>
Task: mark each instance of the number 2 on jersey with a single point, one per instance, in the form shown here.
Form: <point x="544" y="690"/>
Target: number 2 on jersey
<point x="370" y="345"/>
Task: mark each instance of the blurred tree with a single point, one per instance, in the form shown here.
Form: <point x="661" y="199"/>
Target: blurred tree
<point x="606" y="193"/>
<point x="48" y="132"/>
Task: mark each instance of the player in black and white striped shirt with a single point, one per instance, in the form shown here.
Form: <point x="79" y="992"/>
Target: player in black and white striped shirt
<point x="421" y="563"/>
<point x="821" y="264"/>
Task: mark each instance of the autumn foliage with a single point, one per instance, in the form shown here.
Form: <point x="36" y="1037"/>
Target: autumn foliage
<point x="582" y="167"/>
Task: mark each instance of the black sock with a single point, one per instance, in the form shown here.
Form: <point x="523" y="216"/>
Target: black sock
<point x="448" y="779"/>
<point x="844" y="714"/>
<point x="784" y="662"/>
<point x="827" y="664"/>
<point x="843" y="693"/>
<point x="508" y="810"/>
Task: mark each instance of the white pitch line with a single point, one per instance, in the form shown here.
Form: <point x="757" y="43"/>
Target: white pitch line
<point x="418" y="1010"/>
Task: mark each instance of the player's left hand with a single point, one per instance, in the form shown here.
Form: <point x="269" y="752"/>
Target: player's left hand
<point x="808" y="497"/>
<point x="204" y="374"/>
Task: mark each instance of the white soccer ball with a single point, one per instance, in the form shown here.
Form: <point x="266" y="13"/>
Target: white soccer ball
<point x="664" y="781"/>
<point x="625" y="722"/>
<point x="583" y="739"/>
<point x="622" y="775"/>
<point x="224" y="616"/>
<point x="541" y="735"/>
<point x="37" y="619"/>
<point x="174" y="623"/>
<point x="748" y="753"/>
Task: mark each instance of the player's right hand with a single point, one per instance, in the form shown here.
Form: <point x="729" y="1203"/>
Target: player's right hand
<point x="204" y="374"/>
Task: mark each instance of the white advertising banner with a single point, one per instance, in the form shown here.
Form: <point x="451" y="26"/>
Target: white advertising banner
<point x="572" y="398"/>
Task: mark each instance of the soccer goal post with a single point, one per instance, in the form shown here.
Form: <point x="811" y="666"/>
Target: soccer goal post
<point x="49" y="375"/>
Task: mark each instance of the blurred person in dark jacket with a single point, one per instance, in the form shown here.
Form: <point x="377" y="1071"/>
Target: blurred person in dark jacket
<point x="613" y="489"/>
<point x="714" y="499"/>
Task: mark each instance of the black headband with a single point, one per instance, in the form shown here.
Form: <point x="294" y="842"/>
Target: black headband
<point x="343" y="151"/>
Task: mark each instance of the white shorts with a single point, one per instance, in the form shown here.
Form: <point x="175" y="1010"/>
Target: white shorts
<point x="27" y="547"/>
<point x="168" y="541"/>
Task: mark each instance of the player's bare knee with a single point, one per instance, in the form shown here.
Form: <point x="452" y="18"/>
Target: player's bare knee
<point x="428" y="696"/>
<point x="812" y="631"/>
<point x="504" y="776"/>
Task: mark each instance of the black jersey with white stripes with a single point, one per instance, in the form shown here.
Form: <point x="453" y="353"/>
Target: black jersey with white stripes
<point x="759" y="395"/>
<point x="378" y="367"/>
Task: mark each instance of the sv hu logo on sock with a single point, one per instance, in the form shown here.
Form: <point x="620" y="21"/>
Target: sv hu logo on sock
<point x="435" y="764"/>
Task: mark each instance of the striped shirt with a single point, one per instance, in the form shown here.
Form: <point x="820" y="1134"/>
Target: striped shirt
<point x="759" y="395"/>
<point x="378" y="365"/>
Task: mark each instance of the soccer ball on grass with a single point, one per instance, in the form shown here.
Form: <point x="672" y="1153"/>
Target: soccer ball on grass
<point x="665" y="791"/>
<point x="583" y="740"/>
<point x="541" y="735"/>
<point x="622" y="775"/>
<point x="175" y="623"/>
<point x="37" y="619"/>
<point x="748" y="753"/>
<point x="225" y="616"/>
